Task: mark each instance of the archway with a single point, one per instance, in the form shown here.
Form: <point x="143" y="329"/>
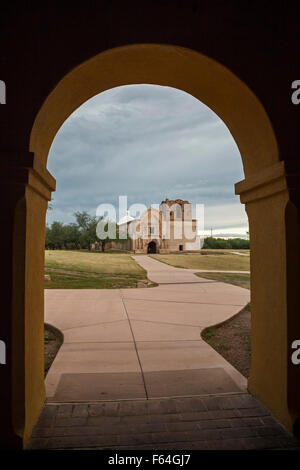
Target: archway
<point x="172" y="66"/>
<point x="264" y="191"/>
<point x="151" y="248"/>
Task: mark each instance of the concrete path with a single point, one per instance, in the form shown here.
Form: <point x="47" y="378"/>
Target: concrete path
<point x="142" y="343"/>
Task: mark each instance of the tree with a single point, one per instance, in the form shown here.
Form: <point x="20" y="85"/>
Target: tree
<point x="103" y="232"/>
<point x="71" y="237"/>
<point x="78" y="235"/>
<point x="55" y="236"/>
<point x="87" y="227"/>
<point x="223" y="244"/>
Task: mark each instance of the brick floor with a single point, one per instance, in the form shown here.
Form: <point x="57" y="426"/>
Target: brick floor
<point x="218" y="422"/>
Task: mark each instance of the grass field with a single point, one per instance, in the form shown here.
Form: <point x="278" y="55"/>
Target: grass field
<point x="84" y="270"/>
<point x="241" y="280"/>
<point x="210" y="259"/>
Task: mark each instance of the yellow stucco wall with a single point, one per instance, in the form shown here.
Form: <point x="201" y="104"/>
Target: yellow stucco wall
<point x="265" y="195"/>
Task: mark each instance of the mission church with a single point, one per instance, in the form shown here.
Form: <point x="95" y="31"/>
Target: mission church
<point x="169" y="229"/>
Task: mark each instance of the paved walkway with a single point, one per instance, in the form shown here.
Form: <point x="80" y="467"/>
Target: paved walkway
<point x="126" y="349"/>
<point x="215" y="422"/>
<point x="142" y="343"/>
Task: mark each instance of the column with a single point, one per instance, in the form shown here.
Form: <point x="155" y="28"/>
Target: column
<point x="271" y="205"/>
<point x="25" y="188"/>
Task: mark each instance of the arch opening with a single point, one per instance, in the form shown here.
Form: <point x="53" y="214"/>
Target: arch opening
<point x="151" y="248"/>
<point x="173" y="66"/>
<point x="242" y="112"/>
<point x="92" y="114"/>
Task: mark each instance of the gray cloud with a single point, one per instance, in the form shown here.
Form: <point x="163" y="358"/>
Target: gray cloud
<point x="147" y="142"/>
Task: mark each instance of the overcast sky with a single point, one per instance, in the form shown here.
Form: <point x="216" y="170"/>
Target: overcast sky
<point x="147" y="142"/>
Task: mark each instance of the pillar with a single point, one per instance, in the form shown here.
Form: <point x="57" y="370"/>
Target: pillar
<point x="275" y="301"/>
<point x="25" y="189"/>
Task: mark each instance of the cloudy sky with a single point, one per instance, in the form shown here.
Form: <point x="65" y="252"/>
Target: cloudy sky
<point x="147" y="142"/>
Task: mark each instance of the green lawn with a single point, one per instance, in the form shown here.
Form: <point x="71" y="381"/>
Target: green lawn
<point x="211" y="259"/>
<point x="241" y="280"/>
<point x="90" y="270"/>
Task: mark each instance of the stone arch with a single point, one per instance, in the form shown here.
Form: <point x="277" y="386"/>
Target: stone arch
<point x="244" y="115"/>
<point x="265" y="191"/>
<point x="173" y="66"/>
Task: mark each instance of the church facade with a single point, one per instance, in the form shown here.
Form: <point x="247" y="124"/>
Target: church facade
<point x="169" y="229"/>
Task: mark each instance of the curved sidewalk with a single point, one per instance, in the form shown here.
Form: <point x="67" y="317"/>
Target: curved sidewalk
<point x="142" y="343"/>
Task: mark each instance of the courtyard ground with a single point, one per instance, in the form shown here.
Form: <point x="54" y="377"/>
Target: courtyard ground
<point x="160" y="360"/>
<point x="92" y="270"/>
<point x="139" y="343"/>
<point x="207" y="259"/>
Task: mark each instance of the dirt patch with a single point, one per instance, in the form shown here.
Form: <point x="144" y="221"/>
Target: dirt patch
<point x="53" y="340"/>
<point x="232" y="340"/>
